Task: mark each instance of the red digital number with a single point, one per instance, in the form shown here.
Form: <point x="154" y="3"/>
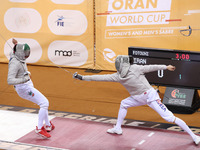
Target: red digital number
<point x="187" y="56"/>
<point x="183" y="56"/>
<point x="177" y="56"/>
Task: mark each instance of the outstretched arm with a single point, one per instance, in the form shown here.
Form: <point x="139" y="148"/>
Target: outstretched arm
<point x="108" y="77"/>
<point x="151" y="68"/>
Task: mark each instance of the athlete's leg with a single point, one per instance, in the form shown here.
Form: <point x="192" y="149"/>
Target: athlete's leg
<point x="162" y="110"/>
<point x="185" y="127"/>
<point x="125" y="104"/>
<point x="33" y="95"/>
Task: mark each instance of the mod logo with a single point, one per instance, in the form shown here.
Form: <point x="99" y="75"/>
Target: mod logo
<point x="63" y="53"/>
<point x="68" y="53"/>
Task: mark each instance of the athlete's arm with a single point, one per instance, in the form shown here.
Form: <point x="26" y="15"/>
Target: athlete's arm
<point x="171" y="68"/>
<point x="107" y="77"/>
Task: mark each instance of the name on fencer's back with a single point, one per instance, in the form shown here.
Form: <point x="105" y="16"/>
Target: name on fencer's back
<point x="63" y="53"/>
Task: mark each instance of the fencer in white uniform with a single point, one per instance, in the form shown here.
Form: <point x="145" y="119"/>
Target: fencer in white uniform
<point x="19" y="76"/>
<point x="132" y="77"/>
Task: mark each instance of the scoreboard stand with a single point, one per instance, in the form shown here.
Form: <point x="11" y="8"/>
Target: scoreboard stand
<point x="181" y="100"/>
<point x="181" y="95"/>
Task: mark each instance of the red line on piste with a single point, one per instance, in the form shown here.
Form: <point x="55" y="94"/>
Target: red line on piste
<point x="173" y="20"/>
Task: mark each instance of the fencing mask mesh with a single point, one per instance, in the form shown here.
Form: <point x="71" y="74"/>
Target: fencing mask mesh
<point x="22" y="51"/>
<point x="122" y="64"/>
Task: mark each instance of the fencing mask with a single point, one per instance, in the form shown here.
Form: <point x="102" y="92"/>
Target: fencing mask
<point x="122" y="64"/>
<point x="21" y="51"/>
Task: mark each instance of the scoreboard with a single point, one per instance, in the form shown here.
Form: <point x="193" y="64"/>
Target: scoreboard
<point x="187" y="63"/>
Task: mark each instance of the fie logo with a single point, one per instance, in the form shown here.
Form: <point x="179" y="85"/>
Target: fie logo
<point x="60" y="21"/>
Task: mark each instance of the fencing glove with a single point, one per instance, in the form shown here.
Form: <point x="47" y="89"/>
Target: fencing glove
<point x="77" y="76"/>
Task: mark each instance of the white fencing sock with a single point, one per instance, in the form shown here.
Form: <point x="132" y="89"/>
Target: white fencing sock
<point x="121" y="115"/>
<point x="43" y="116"/>
<point x="184" y="126"/>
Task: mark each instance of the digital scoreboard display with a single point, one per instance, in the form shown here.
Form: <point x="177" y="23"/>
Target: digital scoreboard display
<point x="187" y="63"/>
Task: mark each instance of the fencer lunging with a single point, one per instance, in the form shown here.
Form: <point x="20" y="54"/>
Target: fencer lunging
<point x="19" y="76"/>
<point x="132" y="77"/>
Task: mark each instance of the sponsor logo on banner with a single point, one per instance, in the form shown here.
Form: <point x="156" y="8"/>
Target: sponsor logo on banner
<point x="24" y="20"/>
<point x="109" y="55"/>
<point x="176" y="94"/>
<point x="36" y="50"/>
<point x="23" y="1"/>
<point x="138" y="12"/>
<point x="60" y="21"/>
<point x="63" y="53"/>
<point x="67" y="22"/>
<point x="67" y="53"/>
<point x="177" y="98"/>
<point x="67" y="1"/>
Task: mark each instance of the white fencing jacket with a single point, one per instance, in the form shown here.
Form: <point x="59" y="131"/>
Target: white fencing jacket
<point x="135" y="81"/>
<point x="16" y="71"/>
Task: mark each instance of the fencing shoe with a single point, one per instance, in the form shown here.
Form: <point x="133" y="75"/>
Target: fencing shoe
<point x="42" y="132"/>
<point x="197" y="140"/>
<point x="49" y="128"/>
<point x="115" y="131"/>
